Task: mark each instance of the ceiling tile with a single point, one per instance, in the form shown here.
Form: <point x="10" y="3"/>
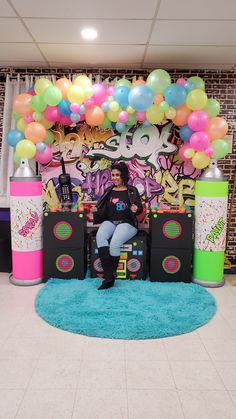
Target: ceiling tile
<point x="101" y="9"/>
<point x="22" y="63"/>
<point x="202" y="9"/>
<point x="13" y="30"/>
<point x="106" y="55"/>
<point x="193" y="55"/>
<point x="5" y="9"/>
<point x="166" y="32"/>
<point x="20" y="52"/>
<point x="109" y="31"/>
<point x="187" y="66"/>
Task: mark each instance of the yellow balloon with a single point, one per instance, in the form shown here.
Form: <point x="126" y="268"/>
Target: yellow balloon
<point x="41" y="85"/>
<point x="130" y="110"/>
<point x="25" y="148"/>
<point x="114" y="106"/>
<point x="82" y="81"/>
<point x="21" y="124"/>
<point x="200" y="160"/>
<point x="113" y="116"/>
<point x="76" y="94"/>
<point x="196" y="99"/>
<point x="189" y="153"/>
<point x="154" y="115"/>
<point x="47" y="124"/>
<point x="170" y="113"/>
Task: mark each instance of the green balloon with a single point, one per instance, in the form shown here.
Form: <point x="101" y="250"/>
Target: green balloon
<point x="15" y="116"/>
<point x="198" y="82"/>
<point x="123" y="82"/>
<point x="38" y="103"/>
<point x="52" y="95"/>
<point x="49" y="137"/>
<point x="131" y="121"/>
<point x="106" y="123"/>
<point x="212" y="108"/>
<point x="17" y="159"/>
<point x="158" y="80"/>
<point x="220" y="147"/>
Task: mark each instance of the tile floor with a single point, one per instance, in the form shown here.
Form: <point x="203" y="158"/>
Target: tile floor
<point x="46" y="373"/>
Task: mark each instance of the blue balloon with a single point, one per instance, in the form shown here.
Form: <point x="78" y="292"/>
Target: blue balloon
<point x="189" y="85"/>
<point x="185" y="132"/>
<point x="75" y="117"/>
<point x="64" y="107"/>
<point x="141" y="97"/>
<point x="14" y="136"/>
<point x="40" y="146"/>
<point x="175" y="95"/>
<point x="120" y="127"/>
<point x="105" y="106"/>
<point x="82" y="110"/>
<point x="121" y="95"/>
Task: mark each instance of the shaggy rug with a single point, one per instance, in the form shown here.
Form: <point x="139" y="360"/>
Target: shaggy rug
<point x="129" y="310"/>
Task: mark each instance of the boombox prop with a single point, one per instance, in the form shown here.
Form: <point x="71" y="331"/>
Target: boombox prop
<point x="133" y="258"/>
<point x="171" y="246"/>
<point x="65" y="245"/>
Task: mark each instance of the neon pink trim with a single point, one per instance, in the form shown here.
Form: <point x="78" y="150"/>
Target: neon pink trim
<point x="27" y="265"/>
<point x="26" y="188"/>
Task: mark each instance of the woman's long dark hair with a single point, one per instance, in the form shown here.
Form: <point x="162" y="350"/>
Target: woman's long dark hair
<point x="123" y="169"/>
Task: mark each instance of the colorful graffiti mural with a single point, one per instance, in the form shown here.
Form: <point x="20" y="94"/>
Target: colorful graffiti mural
<point x="151" y="154"/>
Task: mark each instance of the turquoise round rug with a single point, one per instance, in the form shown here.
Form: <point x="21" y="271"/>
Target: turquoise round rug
<point x="129" y="310"/>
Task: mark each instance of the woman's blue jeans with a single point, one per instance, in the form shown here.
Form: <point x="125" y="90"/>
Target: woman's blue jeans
<point x="119" y="234"/>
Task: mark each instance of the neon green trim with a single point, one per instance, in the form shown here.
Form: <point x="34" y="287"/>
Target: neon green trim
<point x="211" y="189"/>
<point x="208" y="266"/>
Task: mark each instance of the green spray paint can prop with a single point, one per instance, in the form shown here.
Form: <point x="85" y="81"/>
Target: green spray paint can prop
<point x="211" y="194"/>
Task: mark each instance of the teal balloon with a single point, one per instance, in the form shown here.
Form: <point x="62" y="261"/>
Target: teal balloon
<point x="121" y="94"/>
<point x="14" y="136"/>
<point x="175" y="95"/>
<point x="141" y="97"/>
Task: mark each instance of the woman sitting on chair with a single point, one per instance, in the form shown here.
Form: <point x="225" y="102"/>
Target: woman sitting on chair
<point x="116" y="210"/>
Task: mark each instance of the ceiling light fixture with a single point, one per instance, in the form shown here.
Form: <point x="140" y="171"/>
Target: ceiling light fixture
<point x="89" y="33"/>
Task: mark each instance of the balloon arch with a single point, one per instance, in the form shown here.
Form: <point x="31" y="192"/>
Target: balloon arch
<point x="119" y="107"/>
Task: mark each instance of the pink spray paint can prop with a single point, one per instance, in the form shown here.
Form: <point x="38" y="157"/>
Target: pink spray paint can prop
<point x="26" y="226"/>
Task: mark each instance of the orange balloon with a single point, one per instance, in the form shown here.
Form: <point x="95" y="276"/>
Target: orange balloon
<point x="95" y="116"/>
<point x="217" y="128"/>
<point x="35" y="132"/>
<point x="182" y="114"/>
<point x="158" y="99"/>
<point x="138" y="82"/>
<point x="63" y="84"/>
<point x="21" y="104"/>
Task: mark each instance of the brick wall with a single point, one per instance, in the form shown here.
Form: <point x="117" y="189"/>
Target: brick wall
<point x="220" y="85"/>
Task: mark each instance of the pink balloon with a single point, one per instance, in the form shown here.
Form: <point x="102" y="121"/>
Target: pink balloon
<point x="209" y="151"/>
<point x="74" y="107"/>
<point x="45" y="156"/>
<point x="111" y="90"/>
<point x="199" y="140"/>
<point x="52" y="114"/>
<point x="65" y="120"/>
<point x="198" y="120"/>
<point x="28" y="118"/>
<point x="123" y="116"/>
<point x="182" y="149"/>
<point x="181" y="81"/>
<point x="141" y="116"/>
<point x="89" y="103"/>
<point x="99" y="93"/>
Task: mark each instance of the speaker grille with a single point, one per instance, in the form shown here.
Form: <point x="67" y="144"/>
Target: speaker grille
<point x="65" y="263"/>
<point x="62" y="230"/>
<point x="97" y="265"/>
<point x="133" y="265"/>
<point x="171" y="264"/>
<point x="172" y="229"/>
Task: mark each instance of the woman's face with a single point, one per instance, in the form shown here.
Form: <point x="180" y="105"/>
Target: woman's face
<point x="116" y="178"/>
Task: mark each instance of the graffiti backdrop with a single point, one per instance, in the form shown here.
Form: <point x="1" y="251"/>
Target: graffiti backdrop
<point x="151" y="154"/>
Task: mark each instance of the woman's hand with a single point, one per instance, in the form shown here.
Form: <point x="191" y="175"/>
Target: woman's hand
<point x="133" y="208"/>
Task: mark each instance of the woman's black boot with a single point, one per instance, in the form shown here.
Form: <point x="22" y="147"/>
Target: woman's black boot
<point x="107" y="266"/>
<point x="115" y="263"/>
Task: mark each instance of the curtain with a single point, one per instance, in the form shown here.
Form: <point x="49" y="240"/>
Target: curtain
<point x="13" y="87"/>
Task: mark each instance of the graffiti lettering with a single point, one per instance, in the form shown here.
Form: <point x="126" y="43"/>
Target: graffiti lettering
<point x="216" y="231"/>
